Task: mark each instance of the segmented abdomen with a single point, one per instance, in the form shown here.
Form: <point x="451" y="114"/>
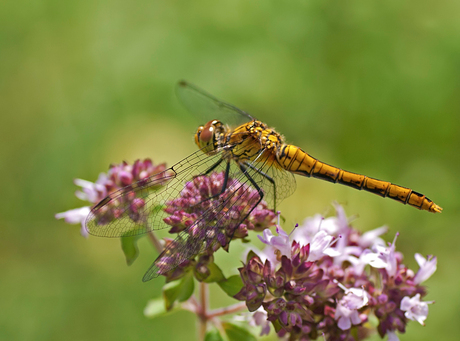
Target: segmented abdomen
<point x="295" y="160"/>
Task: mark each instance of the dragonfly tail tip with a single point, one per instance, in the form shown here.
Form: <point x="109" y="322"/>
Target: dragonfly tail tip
<point x="436" y="209"/>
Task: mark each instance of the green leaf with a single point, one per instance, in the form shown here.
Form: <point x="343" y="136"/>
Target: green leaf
<point x="216" y="274"/>
<point x="231" y="285"/>
<point x="130" y="249"/>
<point x="179" y="290"/>
<point x="237" y="333"/>
<point x="213" y="335"/>
<point x="187" y="288"/>
<point x="251" y="254"/>
<point x="277" y="325"/>
<point x="155" y="308"/>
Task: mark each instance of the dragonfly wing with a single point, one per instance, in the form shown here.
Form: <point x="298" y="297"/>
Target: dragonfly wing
<point x="139" y="208"/>
<point x="208" y="108"/>
<point x="276" y="182"/>
<point x="216" y="225"/>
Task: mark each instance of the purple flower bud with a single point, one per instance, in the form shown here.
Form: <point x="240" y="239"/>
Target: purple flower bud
<point x="125" y="178"/>
<point x="382" y="299"/>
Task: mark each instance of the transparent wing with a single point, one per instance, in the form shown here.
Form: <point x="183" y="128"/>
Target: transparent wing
<point x="208" y="108"/>
<point x="224" y="213"/>
<point x="139" y="208"/>
<point x="276" y="182"/>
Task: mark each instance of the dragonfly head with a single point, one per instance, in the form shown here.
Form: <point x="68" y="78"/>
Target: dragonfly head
<point x="207" y="136"/>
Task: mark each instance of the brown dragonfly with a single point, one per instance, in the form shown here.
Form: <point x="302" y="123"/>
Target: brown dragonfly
<point x="251" y="156"/>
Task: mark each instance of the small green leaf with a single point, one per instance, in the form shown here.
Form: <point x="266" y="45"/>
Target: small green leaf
<point x="187" y="288"/>
<point x="251" y="255"/>
<point x="130" y="249"/>
<point x="213" y="335"/>
<point x="179" y="290"/>
<point x="231" y="285"/>
<point x="277" y="325"/>
<point x="237" y="333"/>
<point x="216" y="274"/>
<point x="155" y="308"/>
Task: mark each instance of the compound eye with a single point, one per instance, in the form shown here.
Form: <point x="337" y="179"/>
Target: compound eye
<point x="198" y="135"/>
<point x="207" y="133"/>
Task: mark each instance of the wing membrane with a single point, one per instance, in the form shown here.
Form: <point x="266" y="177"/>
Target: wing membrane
<point x="208" y="108"/>
<point x="138" y="208"/>
<point x="214" y="228"/>
<point x="218" y="223"/>
<point x="276" y="182"/>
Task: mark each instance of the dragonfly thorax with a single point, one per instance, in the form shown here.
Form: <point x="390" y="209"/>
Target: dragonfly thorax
<point x="254" y="140"/>
<point x="208" y="136"/>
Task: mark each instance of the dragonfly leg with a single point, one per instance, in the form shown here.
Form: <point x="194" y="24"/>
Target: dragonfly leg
<point x="258" y="189"/>
<point x="224" y="186"/>
<point x="214" y="166"/>
<point x="266" y="176"/>
<point x="243" y="168"/>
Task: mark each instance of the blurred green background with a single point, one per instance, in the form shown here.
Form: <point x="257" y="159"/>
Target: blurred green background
<point x="368" y="86"/>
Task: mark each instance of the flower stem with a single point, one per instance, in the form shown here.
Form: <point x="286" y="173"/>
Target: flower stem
<point x="203" y="314"/>
<point x="226" y="310"/>
<point x="155" y="241"/>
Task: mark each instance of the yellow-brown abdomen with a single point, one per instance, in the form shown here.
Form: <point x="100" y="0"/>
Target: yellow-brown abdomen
<point x="295" y="160"/>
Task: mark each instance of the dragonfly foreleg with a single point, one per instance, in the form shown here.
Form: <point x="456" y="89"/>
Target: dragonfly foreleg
<point x="214" y="166"/>
<point x="266" y="176"/>
<point x="258" y="189"/>
<point x="224" y="185"/>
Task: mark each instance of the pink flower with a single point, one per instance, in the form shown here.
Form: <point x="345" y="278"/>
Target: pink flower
<point x="299" y="290"/>
<point x="118" y="176"/>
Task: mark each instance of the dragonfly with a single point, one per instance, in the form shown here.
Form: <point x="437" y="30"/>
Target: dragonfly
<point x="251" y="156"/>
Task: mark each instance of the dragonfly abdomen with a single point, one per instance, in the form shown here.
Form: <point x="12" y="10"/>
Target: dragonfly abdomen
<point x="295" y="160"/>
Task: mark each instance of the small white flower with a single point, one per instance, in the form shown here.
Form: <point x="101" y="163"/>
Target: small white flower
<point x="346" y="317"/>
<point x="392" y="336"/>
<point x="387" y="256"/>
<point x="346" y="312"/>
<point x="367" y="258"/>
<point x="259" y="318"/>
<point x="415" y="309"/>
<point x="320" y="246"/>
<point x="92" y="192"/>
<point x="427" y="268"/>
<point x="280" y="242"/>
<point x="76" y="216"/>
<point x="371" y="237"/>
<point x="356" y="298"/>
<point x="304" y="233"/>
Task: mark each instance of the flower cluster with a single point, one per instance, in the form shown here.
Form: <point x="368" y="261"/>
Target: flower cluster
<point x="118" y="176"/>
<point x="326" y="278"/>
<point x="323" y="280"/>
<point x="212" y="218"/>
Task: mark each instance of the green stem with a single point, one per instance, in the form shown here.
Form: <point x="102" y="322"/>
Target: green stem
<point x="203" y="312"/>
<point x="155" y="241"/>
<point x="226" y="310"/>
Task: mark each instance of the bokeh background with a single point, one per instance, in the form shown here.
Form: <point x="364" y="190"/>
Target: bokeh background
<point x="368" y="86"/>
